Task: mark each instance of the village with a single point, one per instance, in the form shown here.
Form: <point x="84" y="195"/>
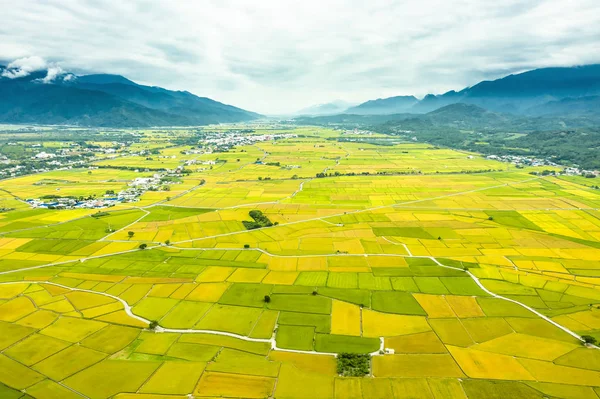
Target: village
<point x="521" y="161"/>
<point x="131" y="194"/>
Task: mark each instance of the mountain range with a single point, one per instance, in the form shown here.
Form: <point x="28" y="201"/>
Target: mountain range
<point x="546" y="91"/>
<point x="106" y="101"/>
<point x="48" y="97"/>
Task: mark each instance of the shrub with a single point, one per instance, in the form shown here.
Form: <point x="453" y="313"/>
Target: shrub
<point x="130" y="234"/>
<point x="143" y="246"/>
<point x="153" y="324"/>
<point x="267" y="299"/>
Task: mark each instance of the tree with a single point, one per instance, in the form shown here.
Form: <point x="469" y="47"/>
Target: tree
<point x="246" y="246"/>
<point x="589" y="340"/>
<point x="267" y="299"/>
<point x="143" y="246"/>
<point x="153" y="324"/>
<point x="130" y="234"/>
<point x="168" y="242"/>
<point x="490" y="218"/>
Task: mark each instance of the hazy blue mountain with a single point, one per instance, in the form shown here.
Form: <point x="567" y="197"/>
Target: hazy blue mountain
<point x="106" y="100"/>
<point x="517" y="93"/>
<point x="520" y="92"/>
<point x="331" y="108"/>
<point x="572" y="107"/>
<point x="460" y="115"/>
<point x="382" y="106"/>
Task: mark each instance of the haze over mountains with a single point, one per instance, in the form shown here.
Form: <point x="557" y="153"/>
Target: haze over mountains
<point x="51" y="96"/>
<point x="545" y="91"/>
<point x="47" y="97"/>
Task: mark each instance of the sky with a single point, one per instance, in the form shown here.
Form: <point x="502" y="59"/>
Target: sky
<point x="278" y="56"/>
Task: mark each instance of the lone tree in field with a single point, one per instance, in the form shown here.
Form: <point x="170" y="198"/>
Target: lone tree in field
<point x="588" y="339"/>
<point x="143" y="246"/>
<point x="130" y="234"/>
<point x="153" y="324"/>
<point x="267" y="299"/>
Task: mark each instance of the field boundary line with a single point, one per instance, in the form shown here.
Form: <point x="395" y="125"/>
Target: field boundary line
<point x="360" y="210"/>
<point x="146" y="213"/>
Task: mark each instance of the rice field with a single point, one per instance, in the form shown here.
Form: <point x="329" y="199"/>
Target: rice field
<point x="399" y="253"/>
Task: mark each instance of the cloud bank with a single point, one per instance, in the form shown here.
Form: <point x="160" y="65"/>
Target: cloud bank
<point x="277" y="56"/>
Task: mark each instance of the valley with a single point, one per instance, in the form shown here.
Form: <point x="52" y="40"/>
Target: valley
<point x="270" y="249"/>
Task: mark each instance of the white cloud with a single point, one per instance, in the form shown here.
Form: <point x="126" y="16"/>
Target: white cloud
<point x="281" y="55"/>
<point x="23" y="67"/>
<point x="53" y="72"/>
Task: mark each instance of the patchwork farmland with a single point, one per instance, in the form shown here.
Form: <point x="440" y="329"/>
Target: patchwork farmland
<point x="460" y="276"/>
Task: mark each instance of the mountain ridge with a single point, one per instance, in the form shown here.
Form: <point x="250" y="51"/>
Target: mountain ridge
<point x="105" y="100"/>
<point x="515" y="93"/>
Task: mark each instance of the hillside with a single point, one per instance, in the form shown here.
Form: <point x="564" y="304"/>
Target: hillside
<point x="106" y="100"/>
<point x="466" y="116"/>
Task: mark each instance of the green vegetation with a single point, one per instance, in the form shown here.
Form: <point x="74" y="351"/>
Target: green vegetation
<point x="353" y="364"/>
<point x="260" y="220"/>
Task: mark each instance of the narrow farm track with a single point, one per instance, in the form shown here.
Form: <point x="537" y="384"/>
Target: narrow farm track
<point x="399" y="243"/>
<point x="300" y="188"/>
<point x="361" y="210"/>
<point x="71" y="261"/>
<point x="322" y="218"/>
<point x="181" y="194"/>
<point x="272" y="341"/>
<point x="146" y="213"/>
<point x="160" y="329"/>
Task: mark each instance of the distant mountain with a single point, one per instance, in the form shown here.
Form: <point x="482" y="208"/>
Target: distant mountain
<point x="571" y="107"/>
<point x="517" y="94"/>
<point x="331" y="108"/>
<point x="104" y="100"/>
<point x="521" y="92"/>
<point x="459" y="116"/>
<point x="383" y="106"/>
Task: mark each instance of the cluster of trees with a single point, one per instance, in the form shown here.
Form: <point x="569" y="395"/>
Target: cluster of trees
<point x="353" y="364"/>
<point x="260" y="220"/>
